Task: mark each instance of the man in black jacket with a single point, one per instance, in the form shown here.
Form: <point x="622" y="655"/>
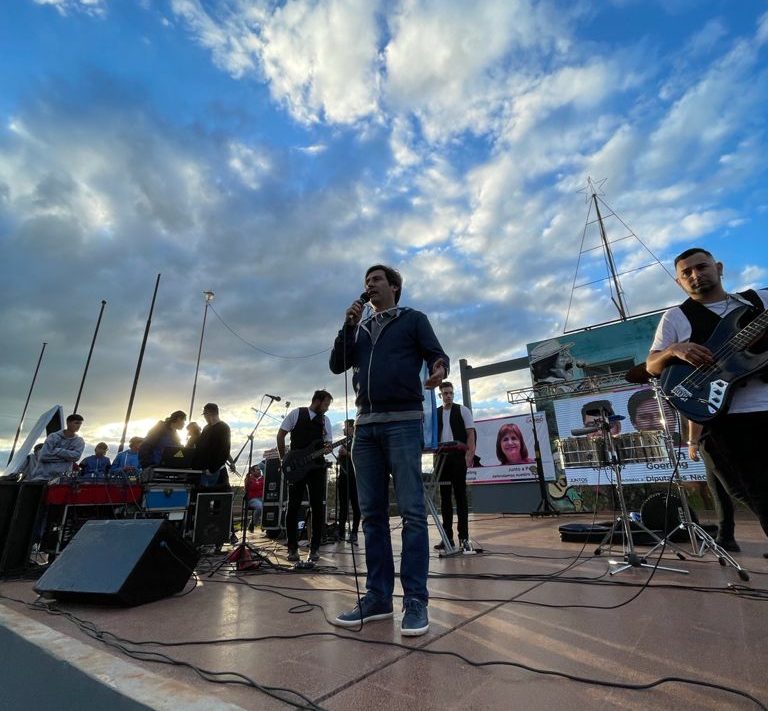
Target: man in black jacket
<point x="386" y="352"/>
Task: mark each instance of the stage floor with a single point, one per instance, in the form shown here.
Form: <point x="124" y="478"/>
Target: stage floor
<point x="528" y="603"/>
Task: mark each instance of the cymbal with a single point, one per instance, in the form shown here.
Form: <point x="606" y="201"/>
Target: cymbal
<point x="638" y="375"/>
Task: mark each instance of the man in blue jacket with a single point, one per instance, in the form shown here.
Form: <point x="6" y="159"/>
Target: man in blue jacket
<point x="386" y="352"/>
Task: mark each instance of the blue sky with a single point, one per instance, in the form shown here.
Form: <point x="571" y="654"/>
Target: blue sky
<point x="271" y="151"/>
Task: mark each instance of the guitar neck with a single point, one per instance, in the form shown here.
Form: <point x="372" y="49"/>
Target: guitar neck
<point x="751" y="331"/>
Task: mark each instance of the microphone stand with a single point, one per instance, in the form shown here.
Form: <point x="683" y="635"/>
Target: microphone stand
<point x="243" y="554"/>
<point x="631" y="559"/>
<point x="701" y="541"/>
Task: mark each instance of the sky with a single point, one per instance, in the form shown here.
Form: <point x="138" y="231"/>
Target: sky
<point x="271" y="151"/>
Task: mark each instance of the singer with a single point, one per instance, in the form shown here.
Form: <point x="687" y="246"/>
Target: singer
<point x="386" y="352"/>
<point x="734" y="439"/>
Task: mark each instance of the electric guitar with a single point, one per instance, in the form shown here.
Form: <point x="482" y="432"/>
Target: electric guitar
<point x="297" y="462"/>
<point x="702" y="394"/>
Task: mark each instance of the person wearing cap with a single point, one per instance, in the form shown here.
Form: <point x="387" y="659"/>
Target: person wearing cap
<point x="127" y="462"/>
<point x="212" y="449"/>
<point x="60" y="452"/>
<point x="97" y="465"/>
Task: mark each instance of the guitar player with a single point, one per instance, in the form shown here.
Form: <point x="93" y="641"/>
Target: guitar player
<point x="734" y="439"/>
<point x="307" y="425"/>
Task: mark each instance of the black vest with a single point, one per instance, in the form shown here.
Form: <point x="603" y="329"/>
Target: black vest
<point x="307" y="431"/>
<point x="704" y="322"/>
<point x="457" y="424"/>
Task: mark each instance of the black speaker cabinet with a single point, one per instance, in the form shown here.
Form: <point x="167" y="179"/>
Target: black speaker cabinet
<point x="17" y="542"/>
<point x="274" y="486"/>
<point x="124" y="562"/>
<point x="213" y="518"/>
<point x="9" y="492"/>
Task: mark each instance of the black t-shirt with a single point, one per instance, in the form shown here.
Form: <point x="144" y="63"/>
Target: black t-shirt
<point x="212" y="449"/>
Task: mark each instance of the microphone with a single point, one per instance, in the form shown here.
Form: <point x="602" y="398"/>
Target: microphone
<point x="584" y="431"/>
<point x="363" y="299"/>
<point x="273" y="397"/>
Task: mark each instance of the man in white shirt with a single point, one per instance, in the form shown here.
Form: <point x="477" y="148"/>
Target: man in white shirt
<point x="309" y="427"/>
<point x="454" y="424"/>
<point x="734" y="439"/>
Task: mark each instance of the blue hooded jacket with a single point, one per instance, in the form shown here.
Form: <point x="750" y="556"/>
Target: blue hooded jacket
<point x="386" y="375"/>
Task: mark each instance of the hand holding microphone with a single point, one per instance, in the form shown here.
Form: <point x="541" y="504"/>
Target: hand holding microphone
<point x="355" y="311"/>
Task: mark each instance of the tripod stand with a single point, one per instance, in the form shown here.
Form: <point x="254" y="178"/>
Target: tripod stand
<point x="631" y="558"/>
<point x="243" y="555"/>
<point x="701" y="542"/>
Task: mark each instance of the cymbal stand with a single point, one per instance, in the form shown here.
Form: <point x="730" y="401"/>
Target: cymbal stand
<point x="701" y="542"/>
<point x="631" y="558"/>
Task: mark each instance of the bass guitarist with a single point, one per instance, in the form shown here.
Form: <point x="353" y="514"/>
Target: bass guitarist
<point x="734" y="439"/>
<point x="308" y="426"/>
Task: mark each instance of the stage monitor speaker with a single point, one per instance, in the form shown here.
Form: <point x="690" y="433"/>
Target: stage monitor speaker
<point x="9" y="492"/>
<point x="120" y="562"/>
<point x="14" y="553"/>
<point x="213" y="518"/>
<point x="273" y="482"/>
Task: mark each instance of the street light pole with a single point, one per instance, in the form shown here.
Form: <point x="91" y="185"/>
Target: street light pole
<point x="208" y="295"/>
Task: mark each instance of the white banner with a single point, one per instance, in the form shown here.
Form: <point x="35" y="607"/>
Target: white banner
<point x="505" y="448"/>
<point x="636" y="438"/>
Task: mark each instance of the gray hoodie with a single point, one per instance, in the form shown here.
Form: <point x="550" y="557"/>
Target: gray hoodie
<point x="57" y="456"/>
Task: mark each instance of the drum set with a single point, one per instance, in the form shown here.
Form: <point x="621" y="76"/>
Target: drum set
<point x="595" y="447"/>
<point x="588" y="452"/>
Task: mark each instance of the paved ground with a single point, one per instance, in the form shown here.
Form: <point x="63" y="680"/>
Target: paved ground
<point x="526" y="606"/>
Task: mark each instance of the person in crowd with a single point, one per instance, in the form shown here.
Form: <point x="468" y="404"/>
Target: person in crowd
<point x="193" y="434"/>
<point x="454" y="425"/>
<point x="27" y="466"/>
<point x="254" y="495"/>
<point x="164" y="434"/>
<point x="734" y="439"/>
<point x="60" y="451"/>
<point x="510" y="445"/>
<point x="387" y="351"/>
<point x="127" y="462"/>
<point x="347" y="487"/>
<point x="97" y="465"/>
<point x="308" y="426"/>
<point x="212" y="451"/>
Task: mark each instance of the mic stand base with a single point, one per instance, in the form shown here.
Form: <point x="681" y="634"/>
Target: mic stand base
<point x="702" y="543"/>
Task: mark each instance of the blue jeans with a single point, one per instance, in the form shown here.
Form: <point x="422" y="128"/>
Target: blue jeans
<point x="377" y="451"/>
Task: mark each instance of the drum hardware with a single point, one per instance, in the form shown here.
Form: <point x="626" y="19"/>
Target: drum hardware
<point x="431" y="484"/>
<point x="701" y="542"/>
<point x="630" y="558"/>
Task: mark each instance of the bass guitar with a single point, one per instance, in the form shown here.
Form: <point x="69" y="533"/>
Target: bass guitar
<point x="297" y="462"/>
<point x="702" y="394"/>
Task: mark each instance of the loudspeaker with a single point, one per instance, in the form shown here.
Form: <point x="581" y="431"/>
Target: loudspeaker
<point x="14" y="554"/>
<point x="9" y="492"/>
<point x="274" y="486"/>
<point x="213" y="518"/>
<point x="123" y="562"/>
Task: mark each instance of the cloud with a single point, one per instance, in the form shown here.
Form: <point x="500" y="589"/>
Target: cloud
<point x="97" y="8"/>
<point x="319" y="59"/>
